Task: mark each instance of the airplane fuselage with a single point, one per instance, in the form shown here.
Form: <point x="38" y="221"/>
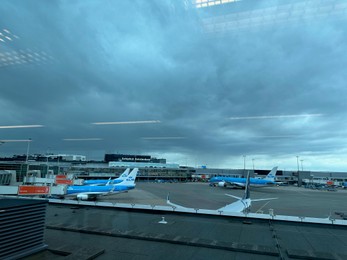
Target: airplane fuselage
<point x="107" y="188"/>
<point x="253" y="181"/>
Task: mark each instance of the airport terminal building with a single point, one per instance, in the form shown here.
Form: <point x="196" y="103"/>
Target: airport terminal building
<point x="151" y="169"/>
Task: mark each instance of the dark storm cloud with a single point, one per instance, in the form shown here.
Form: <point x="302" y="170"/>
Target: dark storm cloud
<point x="152" y="60"/>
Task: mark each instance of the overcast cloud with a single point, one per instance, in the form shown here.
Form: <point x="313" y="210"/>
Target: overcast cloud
<point x="271" y="94"/>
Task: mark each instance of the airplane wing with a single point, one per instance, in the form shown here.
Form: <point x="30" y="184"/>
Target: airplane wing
<point x="87" y="195"/>
<point x="264" y="199"/>
<point x="233" y="196"/>
<point x="237" y="184"/>
<point x="98" y="184"/>
<point x="238" y="206"/>
<point x="173" y="204"/>
<point x="93" y="195"/>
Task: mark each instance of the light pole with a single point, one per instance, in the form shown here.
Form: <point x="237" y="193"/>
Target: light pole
<point x="27" y="156"/>
<point x="302" y="167"/>
<point x="47" y="165"/>
<point x="58" y="165"/>
<point x="297" y="161"/>
<point x="253" y="164"/>
<point x="244" y="163"/>
<point x="47" y="155"/>
<point x="28" y="146"/>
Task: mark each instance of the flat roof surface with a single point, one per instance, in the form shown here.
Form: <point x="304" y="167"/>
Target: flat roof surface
<point x="138" y="235"/>
<point x="110" y="233"/>
<point x="6" y="203"/>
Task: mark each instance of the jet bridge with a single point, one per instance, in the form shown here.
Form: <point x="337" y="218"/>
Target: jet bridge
<point x="32" y="190"/>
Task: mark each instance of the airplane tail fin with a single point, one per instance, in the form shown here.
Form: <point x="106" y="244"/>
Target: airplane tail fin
<point x="247" y="191"/>
<point x="124" y="175"/>
<point x="130" y="180"/>
<point x="272" y="174"/>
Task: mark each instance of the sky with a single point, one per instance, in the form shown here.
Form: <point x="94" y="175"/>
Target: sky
<point x="197" y="86"/>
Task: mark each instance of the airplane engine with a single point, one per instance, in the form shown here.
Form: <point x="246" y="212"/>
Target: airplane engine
<point x="82" y="197"/>
<point x="222" y="184"/>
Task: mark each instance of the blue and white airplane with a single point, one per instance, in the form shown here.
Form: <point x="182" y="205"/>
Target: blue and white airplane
<point x="241" y="205"/>
<point x="87" y="192"/>
<point x="121" y="178"/>
<point x="241" y="182"/>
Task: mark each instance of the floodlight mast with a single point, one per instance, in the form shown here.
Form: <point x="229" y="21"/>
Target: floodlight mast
<point x="27" y="156"/>
<point x="244" y="165"/>
<point x="302" y="166"/>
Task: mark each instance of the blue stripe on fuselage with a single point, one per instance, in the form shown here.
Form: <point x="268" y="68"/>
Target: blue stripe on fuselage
<point x="108" y="188"/>
<point x="90" y="182"/>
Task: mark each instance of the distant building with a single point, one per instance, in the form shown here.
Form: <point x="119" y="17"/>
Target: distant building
<point x="143" y="165"/>
<point x="70" y="157"/>
<point x="45" y="157"/>
<point x="132" y="158"/>
<point x="140" y="161"/>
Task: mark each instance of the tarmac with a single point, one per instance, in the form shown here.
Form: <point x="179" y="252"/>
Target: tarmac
<point x="84" y="232"/>
<point x="291" y="200"/>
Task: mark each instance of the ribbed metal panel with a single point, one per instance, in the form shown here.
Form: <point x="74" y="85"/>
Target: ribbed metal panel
<point x="22" y="224"/>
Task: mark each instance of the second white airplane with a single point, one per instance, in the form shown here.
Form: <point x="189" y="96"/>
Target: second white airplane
<point x="269" y="180"/>
<point x="241" y="205"/>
